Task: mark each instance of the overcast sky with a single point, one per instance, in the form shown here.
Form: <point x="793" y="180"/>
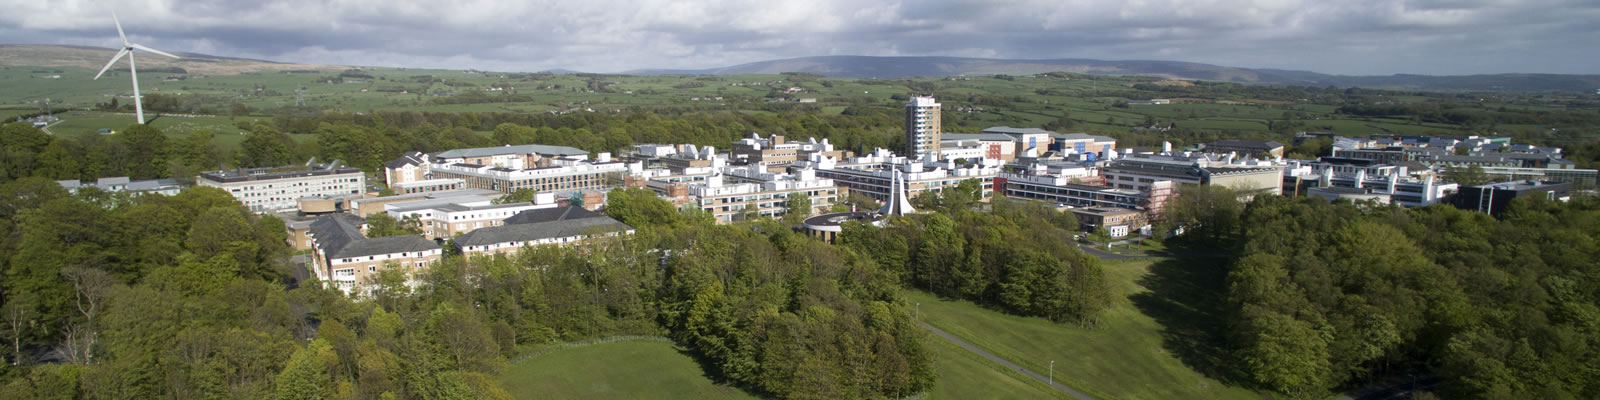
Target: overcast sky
<point x="1331" y="36"/>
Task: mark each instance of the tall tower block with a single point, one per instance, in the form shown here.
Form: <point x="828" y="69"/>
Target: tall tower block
<point x="922" y="128"/>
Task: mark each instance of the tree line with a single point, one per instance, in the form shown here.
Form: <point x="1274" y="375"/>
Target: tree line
<point x="1331" y="295"/>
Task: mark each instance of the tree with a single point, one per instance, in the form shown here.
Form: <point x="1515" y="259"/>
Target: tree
<point x="306" y="377"/>
<point x="640" y="207"/>
<point x="797" y="207"/>
<point x="264" y="146"/>
<point x="149" y="150"/>
<point x="1471" y="175"/>
<point x="19" y="317"/>
<point x="19" y="145"/>
<point x="57" y="162"/>
<point x="516" y="196"/>
<point x="961" y="196"/>
<point x="384" y="225"/>
<point x="90" y="288"/>
<point x="1285" y="354"/>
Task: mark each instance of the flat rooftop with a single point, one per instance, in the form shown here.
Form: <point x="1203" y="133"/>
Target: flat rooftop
<point x="836" y="219"/>
<point x="261" y="174"/>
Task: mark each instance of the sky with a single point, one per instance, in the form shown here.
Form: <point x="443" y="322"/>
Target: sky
<point x="1352" y="37"/>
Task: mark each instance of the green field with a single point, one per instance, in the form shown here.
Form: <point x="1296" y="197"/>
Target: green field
<point x="966" y="375"/>
<point x="1153" y="343"/>
<point x="618" y="370"/>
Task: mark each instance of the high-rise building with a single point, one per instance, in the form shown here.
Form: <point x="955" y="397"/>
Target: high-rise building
<point x="922" y="128"/>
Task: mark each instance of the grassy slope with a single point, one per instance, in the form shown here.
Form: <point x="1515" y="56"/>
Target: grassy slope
<point x="966" y="375"/>
<point x="620" y="370"/>
<point x="1149" y="345"/>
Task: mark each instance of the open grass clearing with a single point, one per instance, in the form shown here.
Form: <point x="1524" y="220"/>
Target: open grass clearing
<point x="639" y="369"/>
<point x="1153" y="343"/>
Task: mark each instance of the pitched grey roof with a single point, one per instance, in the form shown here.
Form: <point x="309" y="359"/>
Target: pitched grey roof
<point x="550" y="215"/>
<point x="411" y="158"/>
<point x="334" y="232"/>
<point x="386" y="245"/>
<point x="544" y="224"/>
<point x="339" y="236"/>
<point x="502" y="150"/>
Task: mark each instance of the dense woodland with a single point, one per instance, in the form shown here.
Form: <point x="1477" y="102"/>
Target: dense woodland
<point x="110" y="296"/>
<point x="1326" y="296"/>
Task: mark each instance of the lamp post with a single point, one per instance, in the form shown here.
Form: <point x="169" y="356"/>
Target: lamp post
<point x="1052" y="372"/>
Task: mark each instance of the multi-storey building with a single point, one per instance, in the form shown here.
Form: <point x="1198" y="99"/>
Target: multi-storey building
<point x="775" y="150"/>
<point x="346" y="259"/>
<point x="365" y="207"/>
<point x="1140" y="173"/>
<point x="1258" y="148"/>
<point x="1495" y="198"/>
<point x="508" y="156"/>
<point x="549" y="226"/>
<point x="455" y="218"/>
<point x="874" y="179"/>
<point x="428" y="186"/>
<point x="562" y="176"/>
<point x="410" y="167"/>
<point x="1091" y="146"/>
<point x="1118" y="222"/>
<point x="1398" y="183"/>
<point x="923" y="128"/>
<point x="737" y="190"/>
<point x="121" y="184"/>
<point x="1063" y="191"/>
<point x="276" y="189"/>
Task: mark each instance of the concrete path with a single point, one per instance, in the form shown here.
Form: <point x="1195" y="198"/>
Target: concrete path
<point x="1003" y="361"/>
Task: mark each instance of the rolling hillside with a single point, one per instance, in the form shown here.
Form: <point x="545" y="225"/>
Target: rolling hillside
<point x="31" y="55"/>
<point x="34" y="55"/>
<point x="898" y="67"/>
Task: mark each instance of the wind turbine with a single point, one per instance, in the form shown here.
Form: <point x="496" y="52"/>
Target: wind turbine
<point x="127" y="50"/>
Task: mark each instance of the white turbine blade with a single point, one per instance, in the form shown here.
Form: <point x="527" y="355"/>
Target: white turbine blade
<point x="141" y="47"/>
<point x="119" y="29"/>
<point x="120" y="53"/>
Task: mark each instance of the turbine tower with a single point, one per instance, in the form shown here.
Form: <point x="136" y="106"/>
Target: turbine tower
<point x="127" y="50"/>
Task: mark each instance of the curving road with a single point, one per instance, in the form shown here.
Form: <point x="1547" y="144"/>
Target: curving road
<point x="1002" y="361"/>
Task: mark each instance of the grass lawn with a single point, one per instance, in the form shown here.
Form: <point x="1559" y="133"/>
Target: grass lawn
<point x="966" y="375"/>
<point x="1153" y="343"/>
<point x="618" y="370"/>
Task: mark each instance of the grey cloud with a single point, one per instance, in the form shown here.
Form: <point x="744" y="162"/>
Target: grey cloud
<point x="1347" y="36"/>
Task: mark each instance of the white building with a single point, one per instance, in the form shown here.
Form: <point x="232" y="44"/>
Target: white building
<point x="276" y="189"/>
<point x="922" y="128"/>
<point x="451" y="218"/>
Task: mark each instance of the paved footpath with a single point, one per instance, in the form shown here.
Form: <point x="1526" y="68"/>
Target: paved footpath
<point x="1003" y="361"/>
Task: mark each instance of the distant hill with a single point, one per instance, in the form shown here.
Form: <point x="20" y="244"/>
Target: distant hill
<point x="37" y="55"/>
<point x="898" y="67"/>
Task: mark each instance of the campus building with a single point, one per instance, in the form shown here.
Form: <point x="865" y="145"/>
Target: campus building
<point x="449" y="218"/>
<point x="547" y="226"/>
<point x="1063" y="191"/>
<point x="923" y="127"/>
<point x="1140" y="173"/>
<point x="1249" y="147"/>
<point x="569" y="176"/>
<point x="344" y="258"/>
<point x="1495" y="198"/>
<point x="121" y="184"/>
<point x="1118" y="222"/>
<point x="275" y="189"/>
<point x="876" y="179"/>
<point x="738" y="190"/>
